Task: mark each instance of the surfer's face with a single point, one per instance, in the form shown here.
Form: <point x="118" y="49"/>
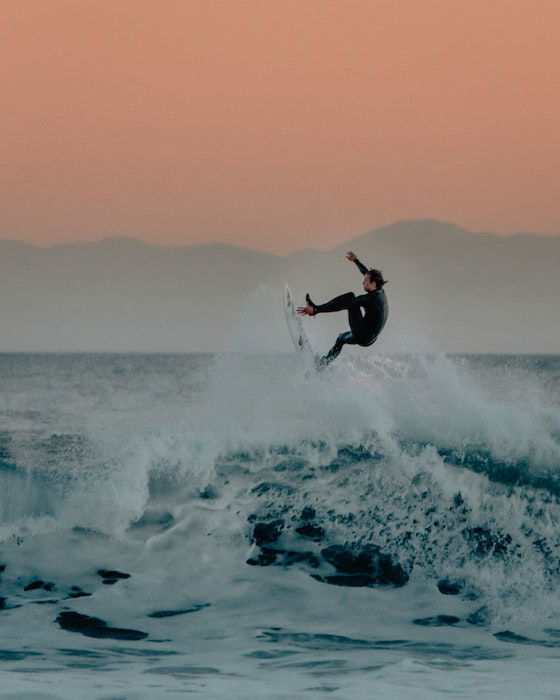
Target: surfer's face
<point x="368" y="285"/>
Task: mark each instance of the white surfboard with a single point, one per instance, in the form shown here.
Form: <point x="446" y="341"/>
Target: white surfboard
<point x="299" y="337"/>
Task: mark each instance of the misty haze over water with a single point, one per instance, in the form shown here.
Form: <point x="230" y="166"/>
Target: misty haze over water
<point x="449" y="290"/>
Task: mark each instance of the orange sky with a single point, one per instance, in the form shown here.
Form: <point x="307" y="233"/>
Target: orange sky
<point x="276" y="124"/>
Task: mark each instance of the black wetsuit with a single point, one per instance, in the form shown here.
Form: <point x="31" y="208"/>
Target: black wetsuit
<point x="365" y="328"/>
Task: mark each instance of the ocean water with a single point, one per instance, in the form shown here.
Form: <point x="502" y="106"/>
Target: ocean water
<point x="237" y="526"/>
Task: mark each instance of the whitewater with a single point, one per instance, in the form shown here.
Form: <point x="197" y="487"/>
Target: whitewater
<point x="237" y="526"/>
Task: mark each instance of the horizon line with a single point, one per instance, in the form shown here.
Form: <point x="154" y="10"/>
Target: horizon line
<point x="143" y="241"/>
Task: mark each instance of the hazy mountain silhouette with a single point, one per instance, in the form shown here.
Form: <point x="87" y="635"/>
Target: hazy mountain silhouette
<point x="448" y="287"/>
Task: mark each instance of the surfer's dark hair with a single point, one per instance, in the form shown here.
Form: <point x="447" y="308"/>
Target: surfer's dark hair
<point x="377" y="277"/>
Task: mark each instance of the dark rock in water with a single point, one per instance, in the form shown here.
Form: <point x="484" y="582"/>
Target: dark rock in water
<point x="77" y="592"/>
<point x="308" y="513"/>
<point x="262" y="559"/>
<point x="448" y="587"/>
<point x="184" y="611"/>
<point x="369" y="566"/>
<point x="355" y="566"/>
<point x="507" y="636"/>
<point x="283" y="557"/>
<point x="345" y="561"/>
<point x="109" y="573"/>
<point x="292" y="557"/>
<point x="264" y="533"/>
<point x="209" y="492"/>
<point x="312" y="532"/>
<point x="94" y="627"/>
<point x="479" y="617"/>
<point x="2" y="567"/>
<point x="2" y="603"/>
<point x="34" y="585"/>
<point x="110" y="577"/>
<point x="437" y="621"/>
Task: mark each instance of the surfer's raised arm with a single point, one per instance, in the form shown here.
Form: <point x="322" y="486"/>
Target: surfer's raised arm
<point x="352" y="257"/>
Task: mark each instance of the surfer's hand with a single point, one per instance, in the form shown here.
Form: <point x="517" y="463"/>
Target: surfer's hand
<point x="350" y="255"/>
<point x="306" y="310"/>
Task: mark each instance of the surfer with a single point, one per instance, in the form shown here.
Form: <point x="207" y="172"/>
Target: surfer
<point x="364" y="328"/>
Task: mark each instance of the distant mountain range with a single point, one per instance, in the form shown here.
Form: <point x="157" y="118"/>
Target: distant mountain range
<point x="448" y="289"/>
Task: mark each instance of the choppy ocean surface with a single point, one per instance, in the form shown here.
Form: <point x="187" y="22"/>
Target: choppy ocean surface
<point x="236" y="526"/>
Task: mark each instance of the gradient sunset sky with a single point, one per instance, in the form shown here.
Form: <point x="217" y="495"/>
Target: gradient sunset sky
<point x="276" y="124"/>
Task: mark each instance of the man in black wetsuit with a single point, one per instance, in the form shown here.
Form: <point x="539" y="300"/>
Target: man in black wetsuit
<point x="365" y="328"/>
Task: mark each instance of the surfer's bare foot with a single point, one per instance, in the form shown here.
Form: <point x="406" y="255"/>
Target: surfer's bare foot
<point x="306" y="310"/>
<point x="310" y="309"/>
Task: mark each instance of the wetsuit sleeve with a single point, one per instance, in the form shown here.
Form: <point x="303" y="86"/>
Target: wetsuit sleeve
<point x="362" y="268"/>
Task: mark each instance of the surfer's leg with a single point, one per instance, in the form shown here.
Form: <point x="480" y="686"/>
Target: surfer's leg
<point x="334" y="352"/>
<point x="344" y="301"/>
<point x="356" y="322"/>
